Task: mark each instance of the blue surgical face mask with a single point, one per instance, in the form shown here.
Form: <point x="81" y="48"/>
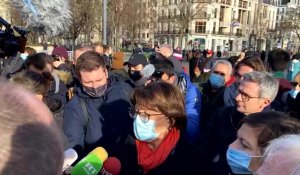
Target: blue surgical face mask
<point x="239" y="161"/>
<point x="144" y="131"/>
<point x="293" y="93"/>
<point x="24" y="56"/>
<point x="216" y="81"/>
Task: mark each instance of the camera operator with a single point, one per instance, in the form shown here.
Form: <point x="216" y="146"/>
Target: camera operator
<point x="10" y="65"/>
<point x="10" y="48"/>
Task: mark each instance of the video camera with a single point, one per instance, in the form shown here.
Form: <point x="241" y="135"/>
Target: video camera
<point x="10" y="44"/>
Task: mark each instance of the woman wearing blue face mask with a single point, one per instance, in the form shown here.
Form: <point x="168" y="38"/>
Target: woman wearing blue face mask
<point x="256" y="130"/>
<point x="159" y="123"/>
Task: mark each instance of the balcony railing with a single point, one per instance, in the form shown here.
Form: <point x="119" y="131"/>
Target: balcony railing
<point x="170" y="32"/>
<point x="227" y="33"/>
<point x="201" y="15"/>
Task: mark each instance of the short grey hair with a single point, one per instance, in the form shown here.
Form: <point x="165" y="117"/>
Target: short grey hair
<point x="225" y="62"/>
<point x="287" y="148"/>
<point x="167" y="46"/>
<point x="267" y="84"/>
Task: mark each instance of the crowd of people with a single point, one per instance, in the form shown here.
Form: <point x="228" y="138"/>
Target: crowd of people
<point x="224" y="116"/>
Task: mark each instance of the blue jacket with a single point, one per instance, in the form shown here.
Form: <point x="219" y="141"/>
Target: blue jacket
<point x="294" y="69"/>
<point x="192" y="108"/>
<point x="109" y="122"/>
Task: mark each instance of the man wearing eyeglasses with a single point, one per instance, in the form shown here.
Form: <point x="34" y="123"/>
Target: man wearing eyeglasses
<point x="256" y="91"/>
<point x="213" y="89"/>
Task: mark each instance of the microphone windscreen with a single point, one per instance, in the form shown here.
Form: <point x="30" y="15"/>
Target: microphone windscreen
<point x="49" y="17"/>
<point x="148" y="70"/>
<point x="70" y="156"/>
<point x="100" y="153"/>
<point x="90" y="164"/>
<point x="111" y="166"/>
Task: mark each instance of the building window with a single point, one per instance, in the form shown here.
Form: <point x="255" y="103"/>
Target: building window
<point x="249" y="18"/>
<point x="216" y="11"/>
<point x="214" y="28"/>
<point x="222" y="10"/>
<point x="200" y="27"/>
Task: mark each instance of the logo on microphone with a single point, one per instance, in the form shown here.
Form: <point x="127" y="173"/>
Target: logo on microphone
<point x="104" y="172"/>
<point x="89" y="169"/>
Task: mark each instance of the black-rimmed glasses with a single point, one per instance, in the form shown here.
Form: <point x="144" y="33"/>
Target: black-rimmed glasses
<point x="143" y="115"/>
<point x="245" y="97"/>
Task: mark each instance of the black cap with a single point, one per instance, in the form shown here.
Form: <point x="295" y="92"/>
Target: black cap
<point x="137" y="59"/>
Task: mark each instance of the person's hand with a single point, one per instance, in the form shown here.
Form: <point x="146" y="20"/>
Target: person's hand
<point x="56" y="64"/>
<point x="164" y="51"/>
<point x="197" y="71"/>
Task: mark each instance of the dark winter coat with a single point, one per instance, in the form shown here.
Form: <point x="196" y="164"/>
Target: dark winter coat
<point x="220" y="132"/>
<point x="109" y="123"/>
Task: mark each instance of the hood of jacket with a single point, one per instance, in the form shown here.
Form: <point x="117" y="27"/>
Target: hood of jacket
<point x="64" y="76"/>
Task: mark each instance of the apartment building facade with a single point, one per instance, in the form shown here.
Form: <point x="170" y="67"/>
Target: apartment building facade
<point x="226" y="25"/>
<point x="286" y="39"/>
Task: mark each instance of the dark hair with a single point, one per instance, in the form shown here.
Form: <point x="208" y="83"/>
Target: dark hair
<point x="89" y="61"/>
<point x="253" y="62"/>
<point x="296" y="56"/>
<point x="105" y="48"/>
<point x="163" y="66"/>
<point x="30" y="50"/>
<point x="164" y="97"/>
<point x="34" y="82"/>
<point x="272" y="125"/>
<point x="233" y="60"/>
<point x="278" y="60"/>
<point x="37" y="60"/>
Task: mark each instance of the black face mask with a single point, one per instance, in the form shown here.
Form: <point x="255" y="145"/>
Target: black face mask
<point x="135" y="75"/>
<point x="95" y="92"/>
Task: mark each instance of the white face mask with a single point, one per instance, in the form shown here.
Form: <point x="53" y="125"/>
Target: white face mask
<point x="24" y="56"/>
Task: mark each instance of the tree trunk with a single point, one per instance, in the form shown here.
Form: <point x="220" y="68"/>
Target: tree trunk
<point x="117" y="39"/>
<point x="132" y="39"/>
<point x="180" y="39"/>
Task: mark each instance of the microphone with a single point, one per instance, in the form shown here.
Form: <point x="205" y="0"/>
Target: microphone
<point x="70" y="156"/>
<point x="90" y="164"/>
<point x="112" y="166"/>
<point x="148" y="70"/>
<point x="47" y="17"/>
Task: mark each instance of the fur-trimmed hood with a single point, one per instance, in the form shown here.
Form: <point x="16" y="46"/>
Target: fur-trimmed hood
<point x="64" y="76"/>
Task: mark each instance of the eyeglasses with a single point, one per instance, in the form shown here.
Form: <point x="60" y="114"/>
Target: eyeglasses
<point x="219" y="73"/>
<point x="245" y="97"/>
<point x="144" y="116"/>
<point x="295" y="84"/>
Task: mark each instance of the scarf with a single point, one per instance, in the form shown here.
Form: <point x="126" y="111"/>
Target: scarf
<point x="149" y="159"/>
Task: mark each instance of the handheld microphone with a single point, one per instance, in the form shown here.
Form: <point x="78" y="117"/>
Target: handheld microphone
<point x="112" y="166"/>
<point x="90" y="164"/>
<point x="70" y="156"/>
<point x="148" y="70"/>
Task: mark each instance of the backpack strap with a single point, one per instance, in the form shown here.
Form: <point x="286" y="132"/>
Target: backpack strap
<point x="85" y="114"/>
